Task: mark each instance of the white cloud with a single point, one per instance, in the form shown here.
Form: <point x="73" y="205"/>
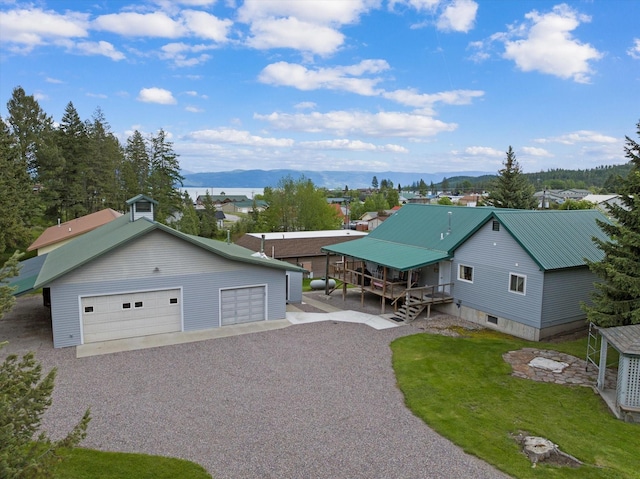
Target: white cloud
<point x="483" y="151"/>
<point x="336" y="78"/>
<point x="412" y="98"/>
<point x="312" y="11"/>
<point x="342" y="123"/>
<point x="179" y="52"/>
<point x="33" y="27"/>
<point x="533" y="151"/>
<point x="634" y="51"/>
<point x="102" y="96"/>
<point x="580" y="136"/>
<point x="238" y="137"/>
<point x="193" y="109"/>
<point x="53" y="80"/>
<point x="305" y="105"/>
<point x="351" y="145"/>
<point x="99" y="48"/>
<point x="132" y="24"/>
<point x="419" y="5"/>
<point x="458" y="16"/>
<point x="156" y="95"/>
<point x="205" y="25"/>
<point x="296" y="34"/>
<point x="549" y="46"/>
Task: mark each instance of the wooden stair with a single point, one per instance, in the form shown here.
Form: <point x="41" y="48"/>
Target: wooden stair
<point x="411" y="309"/>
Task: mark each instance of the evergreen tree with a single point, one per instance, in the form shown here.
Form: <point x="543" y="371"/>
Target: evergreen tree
<point x="208" y="222"/>
<point x="16" y="195"/>
<point x="164" y="177"/>
<point x="10" y="269"/>
<point x="28" y="123"/>
<point x="616" y="300"/>
<point x="106" y="157"/>
<point x="189" y="223"/>
<point x="24" y="397"/>
<point x="135" y="167"/>
<point x="374" y="183"/>
<point x="511" y="189"/>
<point x="73" y="144"/>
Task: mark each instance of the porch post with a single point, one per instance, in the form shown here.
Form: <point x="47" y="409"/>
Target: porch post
<point x="326" y="275"/>
<point x="602" y="367"/>
<point x="384" y="288"/>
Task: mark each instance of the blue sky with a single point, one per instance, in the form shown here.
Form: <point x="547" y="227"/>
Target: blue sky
<point x="369" y="85"/>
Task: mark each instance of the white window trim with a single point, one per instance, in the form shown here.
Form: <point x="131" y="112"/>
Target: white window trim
<point x="524" y="285"/>
<point x="460" y="278"/>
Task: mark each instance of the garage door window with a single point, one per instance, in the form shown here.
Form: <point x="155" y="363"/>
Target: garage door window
<point x="126" y="305"/>
<point x="138" y="304"/>
<point x="173" y="300"/>
<point x="88" y="309"/>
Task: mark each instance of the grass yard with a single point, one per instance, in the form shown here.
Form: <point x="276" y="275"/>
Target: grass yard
<point x="463" y="389"/>
<point x="91" y="464"/>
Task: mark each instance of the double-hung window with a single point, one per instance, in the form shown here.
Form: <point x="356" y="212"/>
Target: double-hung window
<point x="517" y="283"/>
<point x="465" y="273"/>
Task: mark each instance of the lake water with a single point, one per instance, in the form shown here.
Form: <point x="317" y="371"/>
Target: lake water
<point x="194" y="192"/>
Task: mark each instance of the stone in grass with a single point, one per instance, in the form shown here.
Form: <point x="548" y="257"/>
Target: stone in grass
<point x="539" y="449"/>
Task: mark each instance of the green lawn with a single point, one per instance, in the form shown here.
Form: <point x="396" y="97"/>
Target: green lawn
<point x="464" y="390"/>
<point x="91" y="464"/>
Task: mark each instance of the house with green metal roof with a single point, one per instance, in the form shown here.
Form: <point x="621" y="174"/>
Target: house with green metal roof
<point x="134" y="277"/>
<point x="522" y="272"/>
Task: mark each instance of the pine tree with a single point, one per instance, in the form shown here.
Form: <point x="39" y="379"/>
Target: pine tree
<point x="616" y="300"/>
<point x="16" y="195"/>
<point x="164" y="177"/>
<point x="208" y="222"/>
<point x="189" y="223"/>
<point x="73" y="144"/>
<point x="136" y="167"/>
<point x="511" y="189"/>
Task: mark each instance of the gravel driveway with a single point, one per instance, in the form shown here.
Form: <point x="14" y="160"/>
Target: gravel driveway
<point x="308" y="401"/>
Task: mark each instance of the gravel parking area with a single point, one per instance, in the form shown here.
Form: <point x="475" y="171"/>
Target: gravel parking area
<point x="309" y="401"/>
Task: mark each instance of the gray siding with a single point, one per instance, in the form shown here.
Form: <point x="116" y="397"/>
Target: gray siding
<point x="198" y="273"/>
<point x="564" y="291"/>
<point x="295" y="286"/>
<point x="494" y="255"/>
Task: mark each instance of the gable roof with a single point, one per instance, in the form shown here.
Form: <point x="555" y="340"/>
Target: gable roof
<point x="626" y="339"/>
<point x="555" y="239"/>
<point x="418" y="235"/>
<point x="71" y="229"/>
<point x="121" y="231"/>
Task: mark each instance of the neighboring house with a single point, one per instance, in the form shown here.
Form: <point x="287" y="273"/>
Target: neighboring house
<point x="244" y="206"/>
<point x="134" y="277"/>
<point x="301" y="248"/>
<point x="60" y="234"/>
<point x="522" y="272"/>
<point x="604" y="202"/>
<point x="559" y="196"/>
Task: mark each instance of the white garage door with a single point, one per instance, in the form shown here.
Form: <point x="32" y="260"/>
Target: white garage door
<point x="131" y="315"/>
<point x="242" y="305"/>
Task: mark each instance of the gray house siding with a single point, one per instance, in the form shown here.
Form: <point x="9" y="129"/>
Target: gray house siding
<point x="494" y="255"/>
<point x="199" y="275"/>
<point x="564" y="291"/>
<point x="294" y="284"/>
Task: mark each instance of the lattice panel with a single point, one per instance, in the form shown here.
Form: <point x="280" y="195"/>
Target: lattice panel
<point x="633" y="382"/>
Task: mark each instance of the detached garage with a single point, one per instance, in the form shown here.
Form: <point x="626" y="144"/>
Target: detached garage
<point x="134" y="277"/>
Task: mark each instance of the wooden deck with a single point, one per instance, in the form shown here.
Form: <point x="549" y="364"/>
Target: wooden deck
<point x="398" y="291"/>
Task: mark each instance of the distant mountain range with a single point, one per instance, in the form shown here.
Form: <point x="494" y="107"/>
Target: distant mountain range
<point x="325" y="179"/>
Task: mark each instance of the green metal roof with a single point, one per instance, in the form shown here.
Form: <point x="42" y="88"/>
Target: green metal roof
<point x="120" y="231"/>
<point x="393" y="255"/>
<point x="555" y="239"/>
<point x="29" y="269"/>
<point x="417" y="235"/>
